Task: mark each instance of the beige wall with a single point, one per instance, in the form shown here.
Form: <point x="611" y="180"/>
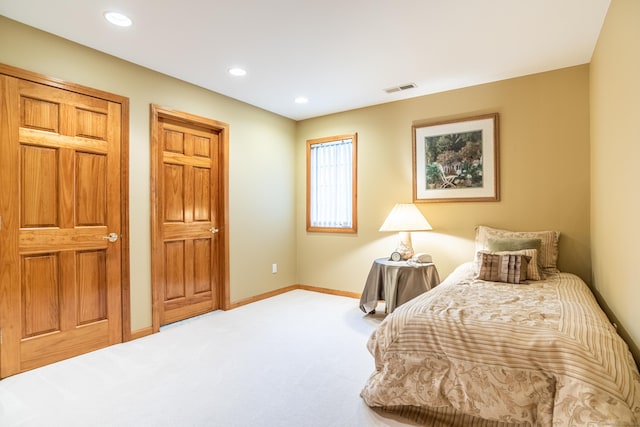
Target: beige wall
<point x="262" y="157"/>
<point x="544" y="168"/>
<point x="615" y="160"/>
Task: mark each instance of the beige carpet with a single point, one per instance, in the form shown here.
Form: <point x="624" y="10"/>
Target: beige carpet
<point x="297" y="359"/>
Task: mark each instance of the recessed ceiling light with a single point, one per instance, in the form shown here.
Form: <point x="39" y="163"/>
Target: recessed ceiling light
<point x="237" y="71"/>
<point x="117" y="18"/>
<point x="301" y="100"/>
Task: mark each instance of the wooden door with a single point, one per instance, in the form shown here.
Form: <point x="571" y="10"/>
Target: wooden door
<point x="188" y="233"/>
<point x="61" y="199"/>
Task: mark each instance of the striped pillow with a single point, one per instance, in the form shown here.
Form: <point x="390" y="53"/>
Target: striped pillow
<point x="533" y="270"/>
<point x="518" y="246"/>
<point x="503" y="267"/>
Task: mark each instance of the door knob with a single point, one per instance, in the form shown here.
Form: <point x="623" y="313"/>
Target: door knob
<point x="213" y="230"/>
<point x="112" y="237"/>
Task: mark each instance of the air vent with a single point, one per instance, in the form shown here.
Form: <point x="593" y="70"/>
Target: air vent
<point x="401" y="87"/>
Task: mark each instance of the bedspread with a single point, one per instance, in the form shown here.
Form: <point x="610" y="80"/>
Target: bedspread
<point x="540" y="354"/>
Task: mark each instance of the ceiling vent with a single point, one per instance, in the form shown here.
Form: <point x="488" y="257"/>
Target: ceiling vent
<point x="401" y="87"/>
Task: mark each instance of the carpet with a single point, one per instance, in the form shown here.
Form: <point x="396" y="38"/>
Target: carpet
<point x="296" y="359"/>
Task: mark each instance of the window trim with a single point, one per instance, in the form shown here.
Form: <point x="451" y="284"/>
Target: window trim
<point x="354" y="183"/>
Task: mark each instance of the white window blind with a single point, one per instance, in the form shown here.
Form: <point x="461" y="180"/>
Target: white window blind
<point x="331" y="184"/>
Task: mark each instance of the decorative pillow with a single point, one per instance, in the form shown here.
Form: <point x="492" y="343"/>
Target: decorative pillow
<point x="548" y="254"/>
<point x="533" y="270"/>
<point x="518" y="244"/>
<point x="512" y="244"/>
<point x="503" y="267"/>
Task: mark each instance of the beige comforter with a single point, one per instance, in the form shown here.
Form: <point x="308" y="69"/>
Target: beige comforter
<point x="541" y="354"/>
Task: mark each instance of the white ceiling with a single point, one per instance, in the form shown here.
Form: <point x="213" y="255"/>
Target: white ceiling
<point x="340" y="54"/>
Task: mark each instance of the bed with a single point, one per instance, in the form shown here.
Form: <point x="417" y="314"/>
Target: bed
<point x="507" y="352"/>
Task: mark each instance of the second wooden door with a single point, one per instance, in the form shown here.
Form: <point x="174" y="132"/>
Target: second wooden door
<point x="188" y="230"/>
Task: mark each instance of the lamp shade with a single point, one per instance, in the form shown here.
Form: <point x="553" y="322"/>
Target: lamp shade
<point x="405" y="217"/>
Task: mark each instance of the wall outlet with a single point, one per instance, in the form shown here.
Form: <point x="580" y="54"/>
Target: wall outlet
<point x="274" y="268"/>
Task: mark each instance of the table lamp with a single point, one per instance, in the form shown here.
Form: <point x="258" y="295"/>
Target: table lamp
<point x="405" y="218"/>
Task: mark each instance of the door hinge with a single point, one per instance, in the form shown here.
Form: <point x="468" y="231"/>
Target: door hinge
<point x="0" y="336"/>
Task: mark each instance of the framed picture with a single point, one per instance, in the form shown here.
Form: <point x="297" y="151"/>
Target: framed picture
<point x="456" y="160"/>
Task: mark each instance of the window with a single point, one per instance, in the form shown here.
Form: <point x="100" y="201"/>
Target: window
<point x="331" y="184"/>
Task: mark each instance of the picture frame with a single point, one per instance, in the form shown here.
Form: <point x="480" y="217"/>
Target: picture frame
<point x="456" y="160"/>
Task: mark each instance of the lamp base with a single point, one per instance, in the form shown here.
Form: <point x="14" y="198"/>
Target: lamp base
<point x="405" y="247"/>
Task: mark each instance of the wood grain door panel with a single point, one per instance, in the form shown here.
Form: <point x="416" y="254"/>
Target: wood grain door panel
<point x="188" y="212"/>
<point x="186" y="237"/>
<point x="63" y="285"/>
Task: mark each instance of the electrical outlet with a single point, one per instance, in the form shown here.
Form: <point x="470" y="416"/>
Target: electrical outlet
<point x="274" y="268"/>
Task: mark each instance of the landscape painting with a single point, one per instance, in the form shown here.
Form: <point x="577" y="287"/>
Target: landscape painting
<point x="456" y="160"/>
